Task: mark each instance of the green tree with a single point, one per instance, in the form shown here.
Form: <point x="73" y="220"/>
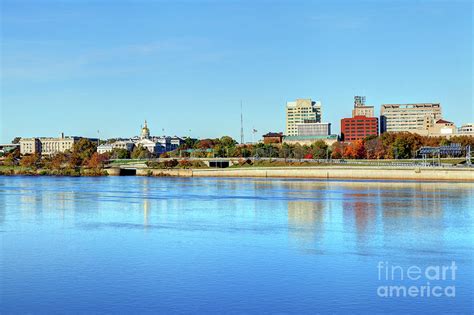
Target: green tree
<point x="119" y="153"/>
<point x="401" y="148"/>
<point x="139" y="152"/>
<point x="84" y="148"/>
<point x="319" y="149"/>
<point x="227" y="142"/>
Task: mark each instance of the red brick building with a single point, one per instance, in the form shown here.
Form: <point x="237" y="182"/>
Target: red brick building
<point x="359" y="127"/>
<point x="273" y="137"/>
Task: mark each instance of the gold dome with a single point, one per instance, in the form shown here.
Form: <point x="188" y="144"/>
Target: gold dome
<point x="145" y="131"/>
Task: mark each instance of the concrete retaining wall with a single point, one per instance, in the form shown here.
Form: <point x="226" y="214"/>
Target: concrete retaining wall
<point x="328" y="172"/>
<point x="437" y="174"/>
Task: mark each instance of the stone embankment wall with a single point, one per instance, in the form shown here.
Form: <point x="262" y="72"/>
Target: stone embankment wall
<point x="333" y="172"/>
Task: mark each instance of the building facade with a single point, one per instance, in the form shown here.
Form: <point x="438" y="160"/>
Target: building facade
<point x="360" y="109"/>
<point x="415" y="118"/>
<point x="313" y="129"/>
<point x="442" y="128"/>
<point x="309" y="140"/>
<point x="466" y="129"/>
<point x="48" y="146"/>
<point x="299" y="111"/>
<point x="104" y="148"/>
<point x="359" y="127"/>
<point x="273" y="137"/>
<point x="30" y="146"/>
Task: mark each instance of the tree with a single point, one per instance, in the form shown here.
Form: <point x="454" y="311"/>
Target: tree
<point x="119" y="153"/>
<point x="139" y="152"/>
<point x="98" y="160"/>
<point x="285" y="151"/>
<point x="16" y="140"/>
<point x="57" y="161"/>
<point x="359" y="149"/>
<point x="401" y="148"/>
<point x="337" y="150"/>
<point x="298" y="151"/>
<point x="84" y="148"/>
<point x="204" y="144"/>
<point x="319" y="149"/>
<point x="227" y="142"/>
<point x="189" y="143"/>
<point x="30" y="160"/>
<point x="74" y="160"/>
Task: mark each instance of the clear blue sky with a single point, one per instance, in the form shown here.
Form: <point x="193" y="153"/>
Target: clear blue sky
<point x="82" y="66"/>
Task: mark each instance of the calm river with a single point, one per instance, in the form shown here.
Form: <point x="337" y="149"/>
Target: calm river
<point x="190" y="245"/>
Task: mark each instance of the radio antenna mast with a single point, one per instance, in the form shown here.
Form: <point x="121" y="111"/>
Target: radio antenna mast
<point x="241" y="124"/>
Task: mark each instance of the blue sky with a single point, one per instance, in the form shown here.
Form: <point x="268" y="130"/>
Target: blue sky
<point x="81" y="66"/>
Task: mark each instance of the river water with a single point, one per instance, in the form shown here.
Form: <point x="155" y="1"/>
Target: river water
<point x="196" y="245"/>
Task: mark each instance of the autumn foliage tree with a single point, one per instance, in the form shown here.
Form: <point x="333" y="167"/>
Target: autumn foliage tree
<point x="98" y="160"/>
<point x="31" y="161"/>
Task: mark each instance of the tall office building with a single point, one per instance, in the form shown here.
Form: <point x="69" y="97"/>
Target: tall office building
<point x="415" y="118"/>
<point x="301" y="111"/>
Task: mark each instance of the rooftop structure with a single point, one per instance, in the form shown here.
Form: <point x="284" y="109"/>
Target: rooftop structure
<point x="360" y="109"/>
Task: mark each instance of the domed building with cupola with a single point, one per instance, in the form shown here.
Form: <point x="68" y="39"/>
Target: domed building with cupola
<point x="155" y="144"/>
<point x="145" y="132"/>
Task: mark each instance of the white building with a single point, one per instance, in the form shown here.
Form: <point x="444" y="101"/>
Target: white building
<point x="313" y="129"/>
<point x="104" y="148"/>
<point x="466" y="130"/>
<point x="123" y="144"/>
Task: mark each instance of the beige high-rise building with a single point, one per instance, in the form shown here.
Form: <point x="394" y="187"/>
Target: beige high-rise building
<point x="415" y="118"/>
<point x="301" y="111"/>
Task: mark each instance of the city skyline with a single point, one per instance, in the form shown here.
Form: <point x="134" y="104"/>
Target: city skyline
<point x="69" y="71"/>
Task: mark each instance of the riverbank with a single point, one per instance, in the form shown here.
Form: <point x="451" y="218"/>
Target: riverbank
<point x="323" y="172"/>
<point x="319" y="172"/>
<point x="19" y="170"/>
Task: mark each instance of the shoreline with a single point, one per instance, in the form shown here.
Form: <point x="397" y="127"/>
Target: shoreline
<point x="302" y="172"/>
<point x="332" y="172"/>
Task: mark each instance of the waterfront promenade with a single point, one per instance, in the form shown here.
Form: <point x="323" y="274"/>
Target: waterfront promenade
<point x="319" y="172"/>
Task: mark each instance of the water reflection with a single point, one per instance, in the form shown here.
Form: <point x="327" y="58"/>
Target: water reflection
<point x="199" y="241"/>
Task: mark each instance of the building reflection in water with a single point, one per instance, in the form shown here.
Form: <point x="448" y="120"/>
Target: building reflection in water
<point x="307" y="207"/>
<point x="306" y="221"/>
<point x="359" y="215"/>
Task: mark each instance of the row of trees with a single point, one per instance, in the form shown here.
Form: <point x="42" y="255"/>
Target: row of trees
<point x="401" y="145"/>
<point x="385" y="146"/>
